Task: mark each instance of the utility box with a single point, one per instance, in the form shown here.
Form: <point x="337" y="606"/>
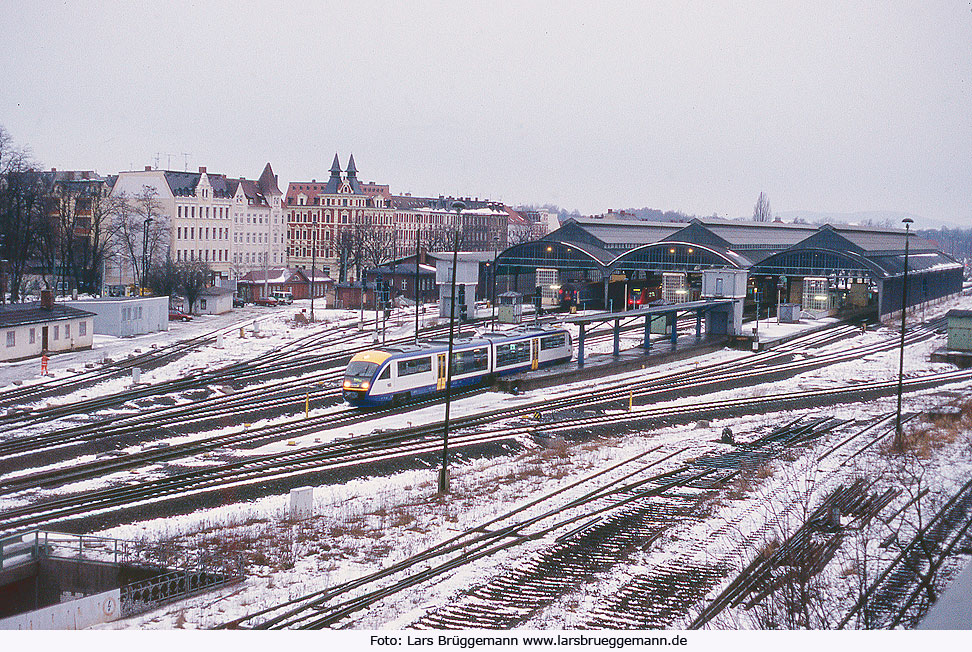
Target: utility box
<point x="959" y="330"/>
<point x="724" y="283"/>
<point x="661" y="324"/>
<point x="510" y="308"/>
<point x="302" y="502"/>
<point x="790" y="313"/>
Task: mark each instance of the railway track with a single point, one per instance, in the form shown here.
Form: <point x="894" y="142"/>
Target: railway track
<point x="320" y="460"/>
<point x="286" y="396"/>
<point x="903" y="592"/>
<point x="618" y="519"/>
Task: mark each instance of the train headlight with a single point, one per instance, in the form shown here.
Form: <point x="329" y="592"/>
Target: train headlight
<point x="347" y="384"/>
<point x="365" y="385"/>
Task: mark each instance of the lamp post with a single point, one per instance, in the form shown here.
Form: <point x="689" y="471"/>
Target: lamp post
<point x="145" y="254"/>
<point x="313" y="262"/>
<point x="492" y="311"/>
<point x="898" y="433"/>
<point x="444" y="471"/>
<point x="418" y="240"/>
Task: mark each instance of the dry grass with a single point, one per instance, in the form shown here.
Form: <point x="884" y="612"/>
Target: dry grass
<point x="748" y="479"/>
<point x="924" y="437"/>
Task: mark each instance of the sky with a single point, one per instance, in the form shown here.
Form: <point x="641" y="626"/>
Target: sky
<point x="833" y="107"/>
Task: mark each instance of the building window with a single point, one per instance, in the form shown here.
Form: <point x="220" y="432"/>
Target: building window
<point x="32" y="336"/>
<point x="67" y="331"/>
<point x="82" y="329"/>
<point x="11" y="339"/>
<point x="57" y="332"/>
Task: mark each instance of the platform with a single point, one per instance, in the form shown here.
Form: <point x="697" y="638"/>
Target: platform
<point x="607" y="364"/>
<point x="961" y="359"/>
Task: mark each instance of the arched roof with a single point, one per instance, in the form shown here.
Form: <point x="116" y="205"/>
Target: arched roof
<point x="686" y="254"/>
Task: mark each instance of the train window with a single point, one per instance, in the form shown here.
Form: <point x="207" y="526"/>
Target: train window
<point x="417" y="366"/>
<point x="512" y="353"/>
<point x="359" y="371"/>
<point x="464" y="362"/>
<point x="386" y="374"/>
<point x="553" y="342"/>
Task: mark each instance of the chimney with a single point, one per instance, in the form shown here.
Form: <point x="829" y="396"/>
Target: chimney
<point x="148" y="168"/>
<point x="202" y="169"/>
<point x="53" y="169"/>
<point x="47" y="300"/>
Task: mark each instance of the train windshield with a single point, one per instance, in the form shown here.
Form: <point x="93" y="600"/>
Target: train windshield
<point x="359" y="371"/>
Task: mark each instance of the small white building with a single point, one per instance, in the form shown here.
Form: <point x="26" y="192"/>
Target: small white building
<point x="29" y="329"/>
<point x="127" y="316"/>
<point x="215" y="300"/>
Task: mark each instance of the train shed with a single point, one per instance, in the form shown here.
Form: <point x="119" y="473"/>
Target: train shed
<point x="619" y="264"/>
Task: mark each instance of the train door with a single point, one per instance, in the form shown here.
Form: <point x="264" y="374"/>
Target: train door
<point x="534" y="353"/>
<point x="440" y="383"/>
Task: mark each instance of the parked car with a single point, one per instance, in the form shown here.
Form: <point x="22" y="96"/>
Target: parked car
<point x="283" y="297"/>
<point x="178" y="315"/>
<point x="238" y="302"/>
<point x="265" y="301"/>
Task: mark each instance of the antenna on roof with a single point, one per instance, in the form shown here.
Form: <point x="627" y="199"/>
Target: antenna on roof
<point x="158" y="155"/>
<point x="185" y="158"/>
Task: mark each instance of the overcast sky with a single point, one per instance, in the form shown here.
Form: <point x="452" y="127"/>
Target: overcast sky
<point x="832" y="107"/>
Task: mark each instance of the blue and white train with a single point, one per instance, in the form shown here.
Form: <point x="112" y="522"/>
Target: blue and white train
<point x="394" y="375"/>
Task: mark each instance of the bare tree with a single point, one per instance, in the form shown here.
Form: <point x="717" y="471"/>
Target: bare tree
<point x="193" y="277"/>
<point x="135" y="217"/>
<point x="762" y="211"/>
<point x="164" y="278"/>
<point x="86" y="215"/>
<point x="377" y="245"/>
<point x="351" y="246"/>
<point x="22" y="207"/>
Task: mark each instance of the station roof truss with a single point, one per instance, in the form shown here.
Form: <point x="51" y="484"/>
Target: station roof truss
<point x="772" y="248"/>
<point x="666" y="309"/>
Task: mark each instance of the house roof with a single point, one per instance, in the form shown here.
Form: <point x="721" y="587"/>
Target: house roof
<point x="216" y="291"/>
<point x="281" y="275"/>
<point x="268" y="182"/>
<point x="20" y="314"/>
<point x="183" y="184"/>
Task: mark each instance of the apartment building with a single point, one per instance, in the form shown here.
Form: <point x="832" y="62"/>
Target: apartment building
<point x="232" y="224"/>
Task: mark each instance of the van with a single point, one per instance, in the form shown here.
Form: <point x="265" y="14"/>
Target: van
<point x="283" y="297"/>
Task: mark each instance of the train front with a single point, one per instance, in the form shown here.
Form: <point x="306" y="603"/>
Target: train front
<point x="359" y="377"/>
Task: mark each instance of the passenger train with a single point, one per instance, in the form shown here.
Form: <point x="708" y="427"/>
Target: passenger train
<point x="394" y="375"/>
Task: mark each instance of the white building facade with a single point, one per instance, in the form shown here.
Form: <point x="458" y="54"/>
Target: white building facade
<point x="209" y="217"/>
<point x="27" y="330"/>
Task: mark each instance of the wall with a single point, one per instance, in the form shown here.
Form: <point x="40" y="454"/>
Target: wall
<point x="216" y="304"/>
<point x="75" y="614"/>
<point x="24" y="348"/>
<point x="120" y="316"/>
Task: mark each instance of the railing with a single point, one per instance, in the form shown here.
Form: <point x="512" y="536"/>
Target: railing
<point x="22" y="548"/>
<point x="150" y="593"/>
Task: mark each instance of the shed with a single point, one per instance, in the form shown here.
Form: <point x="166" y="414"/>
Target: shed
<point x="126" y="316"/>
<point x="215" y="300"/>
<point x="29" y="329"/>
<point x="959" y="330"/>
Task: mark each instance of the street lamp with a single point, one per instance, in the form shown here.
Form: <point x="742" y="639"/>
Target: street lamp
<point x="492" y="311"/>
<point x="145" y="254"/>
<point x="418" y="240"/>
<point x="898" y="433"/>
<point x="444" y="471"/>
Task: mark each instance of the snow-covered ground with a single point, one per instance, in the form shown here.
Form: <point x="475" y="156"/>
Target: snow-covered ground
<point x="368" y="523"/>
